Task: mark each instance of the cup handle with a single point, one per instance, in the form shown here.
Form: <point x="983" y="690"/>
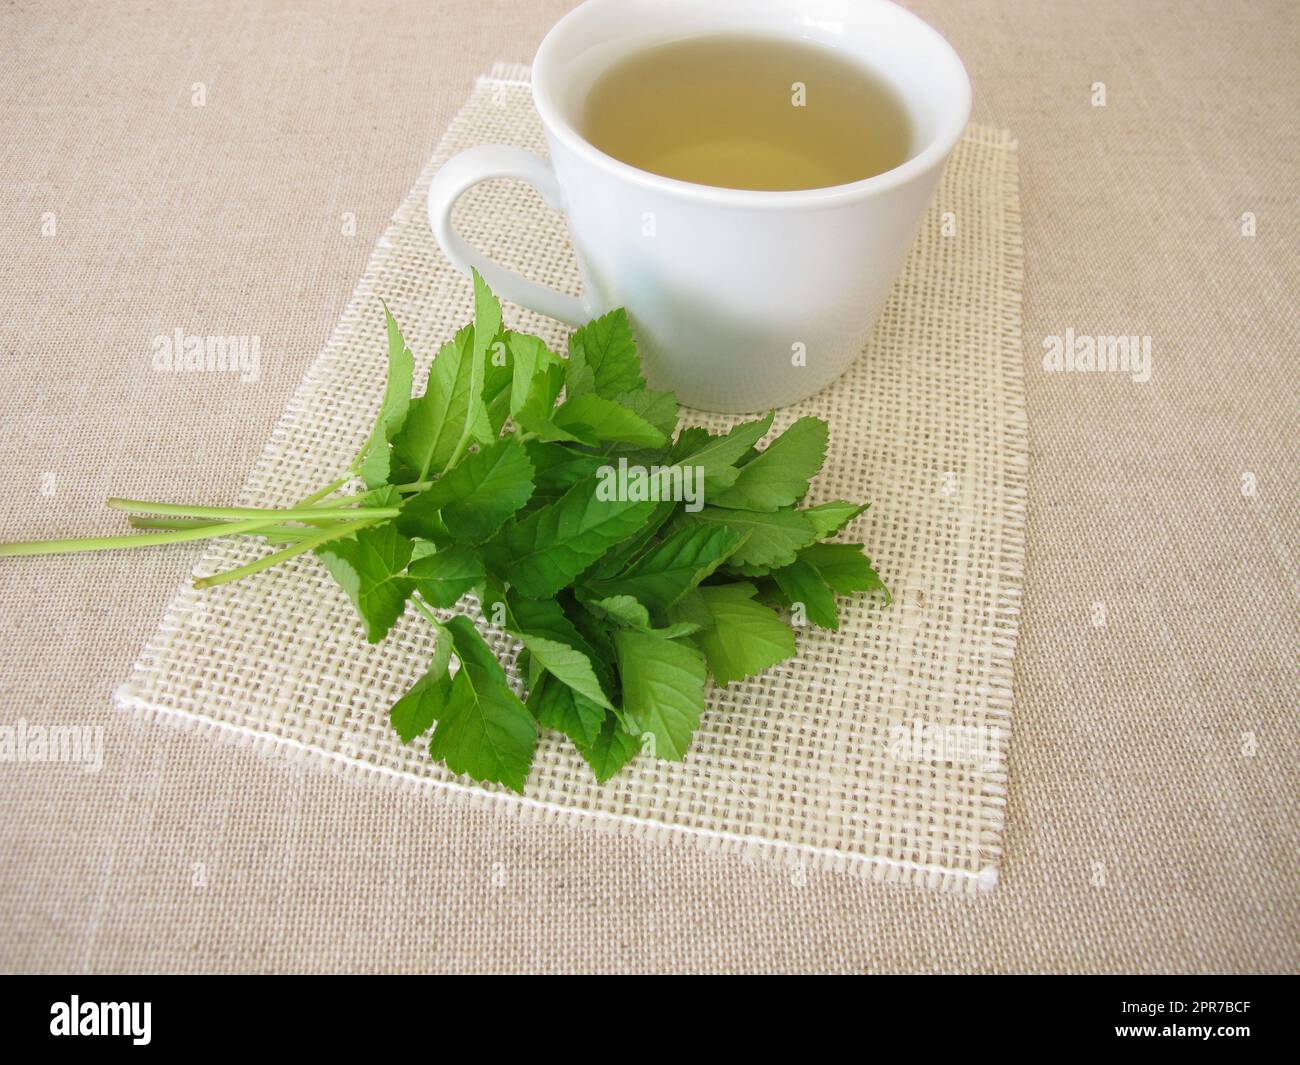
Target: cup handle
<point x="459" y="174"/>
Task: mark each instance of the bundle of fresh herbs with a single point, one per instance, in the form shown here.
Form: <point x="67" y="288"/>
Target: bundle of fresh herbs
<point x="630" y="565"/>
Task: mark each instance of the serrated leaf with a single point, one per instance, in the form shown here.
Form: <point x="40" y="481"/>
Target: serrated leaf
<point x="594" y="419"/>
<point x="550" y="547"/>
<point x="557" y="705"/>
<point x="372" y="462"/>
<point x="491" y="595"/>
<point x="487" y="317"/>
<point x="718" y="455"/>
<point x="623" y="610"/>
<point x="557" y="468"/>
<point x="483" y="731"/>
<point x="671" y="568"/>
<point x="598" y="633"/>
<point x="603" y="358"/>
<point x="613" y="748"/>
<point x="844" y="567"/>
<point x="415" y="712"/>
<point x="475" y="498"/>
<point x="663" y="688"/>
<point x="778" y="477"/>
<point x="829" y="518"/>
<point x="617" y="558"/>
<point x="773" y="537"/>
<point x="369" y="568"/>
<point x="444" y="576"/>
<point x="530" y="361"/>
<point x="567" y="665"/>
<point x="534" y="414"/>
<point x="452" y="405"/>
<point x="802" y="584"/>
<point x="745" y="637"/>
<point x="691" y="609"/>
<point x="547" y="618"/>
<point x="657" y="408"/>
<point x="497" y="380"/>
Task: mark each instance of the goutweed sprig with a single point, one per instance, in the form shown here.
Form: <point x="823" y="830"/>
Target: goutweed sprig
<point x="630" y="561"/>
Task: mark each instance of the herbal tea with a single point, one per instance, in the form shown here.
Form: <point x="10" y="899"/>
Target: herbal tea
<point x="748" y="112"/>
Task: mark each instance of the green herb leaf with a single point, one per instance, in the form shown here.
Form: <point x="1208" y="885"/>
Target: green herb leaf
<point x="594" y="419"/>
<point x="718" y="455"/>
<point x="778" y="477"/>
<point x="444" y="576"/>
<point x="745" y="637"/>
<point x="557" y="468"/>
<point x="801" y="583"/>
<point x="497" y="380"/>
<point x="613" y="748"/>
<point x="487" y="317"/>
<point x="773" y="537"/>
<point x="415" y="712"/>
<point x="534" y="414"/>
<point x="546" y="618"/>
<point x="599" y="635"/>
<point x="672" y="567"/>
<point x="603" y="358"/>
<point x="451" y="407"/>
<point x="557" y="705"/>
<point x="617" y="558"/>
<point x="657" y="408"/>
<point x="476" y="497"/>
<point x="483" y="730"/>
<point x="623" y="610"/>
<point x="373" y="459"/>
<point x="829" y="518"/>
<point x="550" y="547"/>
<point x="844" y="567"/>
<point x="663" y="688"/>
<point x="568" y="666"/>
<point x="369" y="568"/>
<point x="530" y="361"/>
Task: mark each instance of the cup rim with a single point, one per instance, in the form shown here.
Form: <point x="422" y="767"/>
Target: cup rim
<point x="932" y="155"/>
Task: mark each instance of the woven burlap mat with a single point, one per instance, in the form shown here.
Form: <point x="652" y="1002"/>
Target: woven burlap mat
<point x="878" y="749"/>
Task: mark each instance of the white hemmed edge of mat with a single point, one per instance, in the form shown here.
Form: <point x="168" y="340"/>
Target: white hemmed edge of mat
<point x="794" y="855"/>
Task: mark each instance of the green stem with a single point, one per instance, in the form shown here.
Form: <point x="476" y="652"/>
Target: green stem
<point x="349" y="503"/>
<point x="271" y="533"/>
<point x="111" y="543"/>
<point x="462" y="445"/>
<point x="292" y="514"/>
<point x="405" y="489"/>
<point x="423" y="608"/>
<point x="328" y="490"/>
<point x="308" y="544"/>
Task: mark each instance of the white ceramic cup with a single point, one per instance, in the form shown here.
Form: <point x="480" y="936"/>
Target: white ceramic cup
<point x="741" y="300"/>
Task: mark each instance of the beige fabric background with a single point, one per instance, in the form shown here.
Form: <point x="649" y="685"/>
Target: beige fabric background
<point x="1140" y="835"/>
